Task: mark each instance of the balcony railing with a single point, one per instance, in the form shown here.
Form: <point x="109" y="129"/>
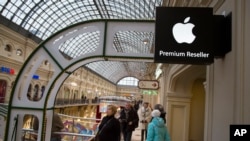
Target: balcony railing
<point x="31" y="135"/>
<point x="2" y="100"/>
<point x="61" y="102"/>
<point x="75" y="128"/>
<point x="3" y="109"/>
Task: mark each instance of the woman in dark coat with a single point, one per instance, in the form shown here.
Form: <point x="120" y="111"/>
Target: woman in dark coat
<point x="109" y="129"/>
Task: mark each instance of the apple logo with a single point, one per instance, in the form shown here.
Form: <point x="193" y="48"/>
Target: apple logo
<point x="183" y="32"/>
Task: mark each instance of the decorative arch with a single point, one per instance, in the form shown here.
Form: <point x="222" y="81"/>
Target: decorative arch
<point x="8" y="78"/>
<point x="182" y="77"/>
<point x="19" y="104"/>
<point x="11" y="45"/>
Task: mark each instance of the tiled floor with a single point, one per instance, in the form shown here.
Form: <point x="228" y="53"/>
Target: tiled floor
<point x="136" y="136"/>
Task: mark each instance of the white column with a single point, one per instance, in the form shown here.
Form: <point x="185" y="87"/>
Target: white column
<point x="178" y="118"/>
<point x="49" y="118"/>
<point x="228" y="82"/>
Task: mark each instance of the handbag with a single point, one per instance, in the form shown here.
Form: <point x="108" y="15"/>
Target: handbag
<point x="95" y="138"/>
<point x="92" y="139"/>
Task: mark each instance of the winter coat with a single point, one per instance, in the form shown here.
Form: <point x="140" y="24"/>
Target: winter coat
<point x="109" y="129"/>
<point x="144" y="115"/>
<point x="132" y="117"/>
<point x="157" y="130"/>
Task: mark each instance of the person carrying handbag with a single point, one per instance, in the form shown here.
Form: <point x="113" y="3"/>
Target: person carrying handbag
<point x="109" y="129"/>
<point x="144" y="114"/>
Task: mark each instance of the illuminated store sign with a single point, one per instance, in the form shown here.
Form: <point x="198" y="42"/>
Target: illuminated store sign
<point x="7" y="70"/>
<point x="36" y="77"/>
<point x="185" y="35"/>
<point x="149" y="92"/>
<point x="148" y="84"/>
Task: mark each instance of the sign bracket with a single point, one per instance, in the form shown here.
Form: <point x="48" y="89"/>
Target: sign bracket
<point x="222" y="35"/>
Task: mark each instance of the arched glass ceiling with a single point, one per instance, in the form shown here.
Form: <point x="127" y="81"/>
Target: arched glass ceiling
<point x="114" y="71"/>
<point x="44" y="17"/>
<point x="128" y="81"/>
<point x="133" y="42"/>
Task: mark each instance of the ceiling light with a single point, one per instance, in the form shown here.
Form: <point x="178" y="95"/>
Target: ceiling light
<point x="73" y="84"/>
<point x="145" y="41"/>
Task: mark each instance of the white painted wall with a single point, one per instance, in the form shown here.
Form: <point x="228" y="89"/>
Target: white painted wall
<point x="178" y="113"/>
<point x="179" y="90"/>
<point x="197" y="112"/>
<point x="228" y="78"/>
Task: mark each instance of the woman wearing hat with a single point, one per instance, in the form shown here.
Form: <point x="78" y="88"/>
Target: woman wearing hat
<point x="157" y="130"/>
<point x="161" y="109"/>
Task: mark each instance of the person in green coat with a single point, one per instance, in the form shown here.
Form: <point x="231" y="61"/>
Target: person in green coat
<point x="157" y="130"/>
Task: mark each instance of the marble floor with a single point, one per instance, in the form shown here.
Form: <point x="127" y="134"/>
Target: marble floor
<point x="136" y="136"/>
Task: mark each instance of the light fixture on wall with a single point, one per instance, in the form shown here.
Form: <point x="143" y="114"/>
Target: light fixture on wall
<point x="158" y="70"/>
<point x="88" y="91"/>
<point x="145" y="41"/>
<point x="19" y="52"/>
<point x="73" y="84"/>
<point x="46" y="62"/>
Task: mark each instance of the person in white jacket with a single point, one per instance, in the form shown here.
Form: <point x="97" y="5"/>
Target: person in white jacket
<point x="144" y="114"/>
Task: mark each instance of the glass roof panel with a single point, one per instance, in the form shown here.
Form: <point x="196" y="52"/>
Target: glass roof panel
<point x="128" y="81"/>
<point x="133" y="42"/>
<point x="110" y="70"/>
<point x="43" y="18"/>
<point x="114" y="70"/>
<point x="79" y="45"/>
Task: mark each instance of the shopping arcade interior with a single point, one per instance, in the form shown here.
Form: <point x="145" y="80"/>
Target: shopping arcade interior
<point x="66" y="49"/>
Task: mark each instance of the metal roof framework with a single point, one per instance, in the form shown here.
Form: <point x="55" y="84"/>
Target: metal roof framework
<point x="117" y="28"/>
<point x="112" y="37"/>
<point x="43" y="18"/>
<point x="103" y="56"/>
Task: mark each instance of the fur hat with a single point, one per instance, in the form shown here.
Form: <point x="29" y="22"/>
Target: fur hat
<point x="156" y="113"/>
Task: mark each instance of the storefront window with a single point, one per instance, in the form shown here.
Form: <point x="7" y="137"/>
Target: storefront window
<point x="3" y="86"/>
<point x="42" y="91"/>
<point x="8" y="48"/>
<point x="30" y="127"/>
<point x="36" y="89"/>
<point x="29" y="92"/>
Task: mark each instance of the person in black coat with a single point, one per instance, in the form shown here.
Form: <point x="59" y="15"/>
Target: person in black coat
<point x="109" y="129"/>
<point x="129" y="121"/>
